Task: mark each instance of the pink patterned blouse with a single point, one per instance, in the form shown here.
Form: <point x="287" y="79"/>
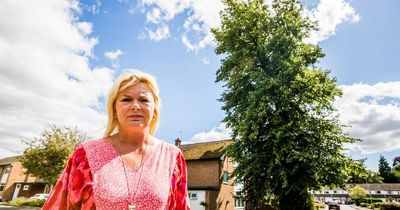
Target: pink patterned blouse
<point x="97" y="178"/>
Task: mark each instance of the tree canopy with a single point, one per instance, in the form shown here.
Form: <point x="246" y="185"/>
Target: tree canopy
<point x="357" y="192"/>
<point x="358" y="172"/>
<point x="46" y="156"/>
<point x="384" y="170"/>
<point x="288" y="140"/>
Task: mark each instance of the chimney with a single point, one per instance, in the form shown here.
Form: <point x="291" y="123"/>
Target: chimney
<point x="178" y="142"/>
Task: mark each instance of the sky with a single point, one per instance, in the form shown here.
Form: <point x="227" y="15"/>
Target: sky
<point x="59" y="58"/>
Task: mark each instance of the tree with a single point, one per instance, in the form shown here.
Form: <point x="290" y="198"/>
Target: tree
<point x="288" y="140"/>
<point x="357" y="192"/>
<point x="358" y="172"/>
<point x="46" y="156"/>
<point x="396" y="173"/>
<point x="384" y="170"/>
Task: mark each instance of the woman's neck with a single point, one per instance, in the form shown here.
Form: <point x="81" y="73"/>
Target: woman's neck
<point x="133" y="139"/>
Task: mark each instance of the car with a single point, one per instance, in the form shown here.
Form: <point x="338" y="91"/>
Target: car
<point x="40" y="196"/>
<point x="333" y="205"/>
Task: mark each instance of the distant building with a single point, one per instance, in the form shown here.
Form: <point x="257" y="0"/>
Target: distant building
<point x="15" y="183"/>
<point x="382" y="191"/>
<point x="208" y="172"/>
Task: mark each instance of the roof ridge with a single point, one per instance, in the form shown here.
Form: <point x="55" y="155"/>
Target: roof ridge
<point x="206" y="142"/>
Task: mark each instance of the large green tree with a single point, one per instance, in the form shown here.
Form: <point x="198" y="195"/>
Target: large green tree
<point x="46" y="156"/>
<point x="384" y="170"/>
<point x="278" y="103"/>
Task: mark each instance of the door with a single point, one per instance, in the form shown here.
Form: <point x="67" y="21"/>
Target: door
<point x="16" y="191"/>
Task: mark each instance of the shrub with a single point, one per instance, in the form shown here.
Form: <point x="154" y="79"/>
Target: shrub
<point x="376" y="205"/>
<point x="27" y="202"/>
<point x="319" y="206"/>
<point x="390" y="206"/>
<point x="358" y="201"/>
<point x="36" y="202"/>
<point x="362" y="204"/>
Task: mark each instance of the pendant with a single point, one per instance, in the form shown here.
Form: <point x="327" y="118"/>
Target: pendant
<point x="131" y="207"/>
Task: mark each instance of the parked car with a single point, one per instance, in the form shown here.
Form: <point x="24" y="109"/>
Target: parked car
<point x="39" y="196"/>
<point x="333" y="205"/>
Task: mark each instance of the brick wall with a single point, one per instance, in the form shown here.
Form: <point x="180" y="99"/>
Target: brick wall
<point x="203" y="172"/>
<point x="225" y="199"/>
<point x="17" y="175"/>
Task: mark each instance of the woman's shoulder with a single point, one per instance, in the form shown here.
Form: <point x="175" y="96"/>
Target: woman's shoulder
<point x="168" y="148"/>
<point x="166" y="145"/>
<point x="92" y="142"/>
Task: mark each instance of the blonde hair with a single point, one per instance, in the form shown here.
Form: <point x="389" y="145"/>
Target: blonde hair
<point x="124" y="81"/>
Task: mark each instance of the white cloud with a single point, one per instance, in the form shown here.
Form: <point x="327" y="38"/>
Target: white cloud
<point x="44" y="76"/>
<point x="204" y="15"/>
<point x="330" y="14"/>
<point x="215" y="134"/>
<point x="154" y="16"/>
<point x="373" y="112"/>
<point x="85" y="27"/>
<point x="160" y="33"/>
<point x="113" y="55"/>
<point x="169" y="8"/>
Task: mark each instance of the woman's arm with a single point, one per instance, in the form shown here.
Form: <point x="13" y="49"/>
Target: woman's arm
<point x="74" y="188"/>
<point x="178" y="198"/>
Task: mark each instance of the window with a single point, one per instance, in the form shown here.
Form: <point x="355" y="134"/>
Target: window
<point x="4" y="177"/>
<point x="192" y="196"/>
<point x="239" y="202"/>
<point x="225" y="178"/>
<point x="26" y="187"/>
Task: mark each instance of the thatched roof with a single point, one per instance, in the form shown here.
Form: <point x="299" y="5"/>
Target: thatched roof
<point x="205" y="150"/>
<point x="9" y="160"/>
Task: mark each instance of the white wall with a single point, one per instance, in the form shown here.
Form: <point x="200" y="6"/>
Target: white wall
<point x="195" y="201"/>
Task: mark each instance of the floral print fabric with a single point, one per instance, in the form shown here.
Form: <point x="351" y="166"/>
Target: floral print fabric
<point x="94" y="179"/>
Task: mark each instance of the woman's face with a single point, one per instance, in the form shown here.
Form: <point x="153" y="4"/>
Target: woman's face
<point x="134" y="107"/>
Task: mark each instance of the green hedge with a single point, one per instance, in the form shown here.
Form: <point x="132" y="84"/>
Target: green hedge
<point x="27" y="202"/>
<point x="358" y="201"/>
<point x="390" y="206"/>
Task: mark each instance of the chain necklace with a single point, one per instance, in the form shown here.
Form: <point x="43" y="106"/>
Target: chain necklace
<point x="132" y="206"/>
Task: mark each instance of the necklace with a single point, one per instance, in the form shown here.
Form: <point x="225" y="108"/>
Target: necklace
<point x="132" y="206"/>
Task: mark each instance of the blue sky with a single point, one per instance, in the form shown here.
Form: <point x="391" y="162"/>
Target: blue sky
<point x="59" y="58"/>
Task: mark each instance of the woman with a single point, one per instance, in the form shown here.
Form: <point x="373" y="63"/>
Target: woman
<point x="128" y="168"/>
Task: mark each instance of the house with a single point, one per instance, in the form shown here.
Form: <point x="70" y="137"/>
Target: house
<point x="208" y="169"/>
<point x="382" y="191"/>
<point x="14" y="182"/>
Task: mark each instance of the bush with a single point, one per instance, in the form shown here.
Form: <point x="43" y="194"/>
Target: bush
<point x="18" y="202"/>
<point x="390" y="206"/>
<point x="362" y="204"/>
<point x="358" y="201"/>
<point x="376" y="205"/>
<point x="27" y="202"/>
<point x="319" y="206"/>
<point x="36" y="202"/>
